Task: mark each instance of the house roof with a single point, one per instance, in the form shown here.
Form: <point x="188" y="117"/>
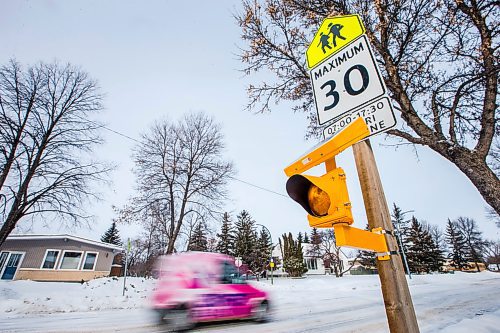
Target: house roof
<point x="63" y="236"/>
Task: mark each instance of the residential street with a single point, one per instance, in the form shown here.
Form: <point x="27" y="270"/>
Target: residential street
<point x="443" y="303"/>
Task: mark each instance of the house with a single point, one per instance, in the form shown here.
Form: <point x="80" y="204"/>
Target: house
<point x="314" y="263"/>
<point x="55" y="258"/>
<point x="357" y="268"/>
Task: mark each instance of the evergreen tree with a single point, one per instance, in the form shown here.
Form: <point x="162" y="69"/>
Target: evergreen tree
<point x="299" y="238"/>
<point x="306" y="238"/>
<point x="112" y="236"/>
<point x="211" y="244"/>
<point x="401" y="228"/>
<point x="264" y="248"/>
<point x="293" y="259"/>
<point x="456" y="245"/>
<point x="436" y="248"/>
<point x="315" y="248"/>
<point x="245" y="241"/>
<point x="198" y="240"/>
<point x="367" y="259"/>
<point x="299" y="254"/>
<point x="436" y="256"/>
<point x="420" y="256"/>
<point x="436" y="234"/>
<point x="225" y="240"/>
<point x="474" y="242"/>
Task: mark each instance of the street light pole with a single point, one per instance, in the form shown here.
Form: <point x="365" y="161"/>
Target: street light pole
<point x="271" y="257"/>
<point x="405" y="261"/>
<point x="403" y="250"/>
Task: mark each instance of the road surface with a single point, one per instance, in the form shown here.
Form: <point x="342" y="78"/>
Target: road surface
<point x="353" y="309"/>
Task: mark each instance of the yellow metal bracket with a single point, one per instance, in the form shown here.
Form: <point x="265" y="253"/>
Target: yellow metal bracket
<point x="374" y="240"/>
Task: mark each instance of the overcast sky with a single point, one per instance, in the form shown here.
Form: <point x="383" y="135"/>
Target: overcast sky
<point x="157" y="59"/>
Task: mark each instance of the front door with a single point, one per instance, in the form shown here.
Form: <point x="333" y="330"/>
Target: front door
<point x="13" y="262"/>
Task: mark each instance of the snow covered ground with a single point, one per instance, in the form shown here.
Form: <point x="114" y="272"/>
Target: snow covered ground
<point x="461" y="302"/>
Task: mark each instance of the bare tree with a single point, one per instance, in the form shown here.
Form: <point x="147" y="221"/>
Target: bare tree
<point x="492" y="255"/>
<point x="439" y="60"/>
<point x="493" y="216"/>
<point x="46" y="140"/>
<point x="436" y="234"/>
<point x="149" y="244"/>
<point x="333" y="253"/>
<point x="181" y="174"/>
<point x="142" y="256"/>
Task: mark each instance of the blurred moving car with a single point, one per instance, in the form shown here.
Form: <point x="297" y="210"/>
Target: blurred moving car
<point x="201" y="287"/>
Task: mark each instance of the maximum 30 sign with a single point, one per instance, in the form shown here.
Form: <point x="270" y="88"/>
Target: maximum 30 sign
<point x="346" y="80"/>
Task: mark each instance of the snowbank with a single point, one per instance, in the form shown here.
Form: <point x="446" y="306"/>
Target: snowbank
<point x="30" y="297"/>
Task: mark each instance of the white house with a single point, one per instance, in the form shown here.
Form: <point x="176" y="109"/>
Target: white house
<point x="315" y="265"/>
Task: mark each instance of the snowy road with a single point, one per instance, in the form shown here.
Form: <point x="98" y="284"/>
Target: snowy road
<point x="459" y="303"/>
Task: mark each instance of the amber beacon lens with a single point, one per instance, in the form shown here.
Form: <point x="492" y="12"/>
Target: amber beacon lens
<point x="319" y="201"/>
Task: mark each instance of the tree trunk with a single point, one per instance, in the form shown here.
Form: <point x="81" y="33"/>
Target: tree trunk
<point x="170" y="247"/>
<point x="8" y="225"/>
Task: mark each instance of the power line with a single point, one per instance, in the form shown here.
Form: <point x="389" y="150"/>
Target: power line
<point x="107" y="128"/>
<point x="233" y="178"/>
<point x="124" y="135"/>
<point x="259" y="187"/>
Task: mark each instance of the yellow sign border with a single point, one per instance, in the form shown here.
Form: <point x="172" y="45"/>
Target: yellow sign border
<point x="312" y="64"/>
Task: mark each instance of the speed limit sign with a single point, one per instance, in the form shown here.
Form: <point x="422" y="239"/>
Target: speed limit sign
<point x="346" y="80"/>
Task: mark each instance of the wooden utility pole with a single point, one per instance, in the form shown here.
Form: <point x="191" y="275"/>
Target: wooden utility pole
<point x="397" y="299"/>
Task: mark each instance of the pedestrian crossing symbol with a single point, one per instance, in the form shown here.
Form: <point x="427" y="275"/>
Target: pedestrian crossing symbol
<point x="333" y="34"/>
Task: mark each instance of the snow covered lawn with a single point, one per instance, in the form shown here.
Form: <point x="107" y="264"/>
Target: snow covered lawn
<point x="30" y="297"/>
<point x="461" y="302"/>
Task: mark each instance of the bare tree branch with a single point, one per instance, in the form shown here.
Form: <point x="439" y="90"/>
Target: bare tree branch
<point x="439" y="60"/>
<point x="46" y="139"/>
<point x="181" y="174"/>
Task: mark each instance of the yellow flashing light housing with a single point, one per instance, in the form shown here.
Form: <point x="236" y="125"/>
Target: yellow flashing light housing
<point x="324" y="198"/>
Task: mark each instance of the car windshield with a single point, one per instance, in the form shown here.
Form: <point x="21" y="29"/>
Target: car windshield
<point x="230" y="274"/>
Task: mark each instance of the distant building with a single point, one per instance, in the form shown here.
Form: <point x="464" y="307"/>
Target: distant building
<point x="448" y="266"/>
<point x="55" y="258"/>
<point x="360" y="269"/>
<point x="315" y="264"/>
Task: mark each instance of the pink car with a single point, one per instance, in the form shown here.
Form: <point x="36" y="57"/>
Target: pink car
<point x="200" y="287"/>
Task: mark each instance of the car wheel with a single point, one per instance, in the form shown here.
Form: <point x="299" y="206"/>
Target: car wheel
<point x="261" y="312"/>
<point x="176" y="320"/>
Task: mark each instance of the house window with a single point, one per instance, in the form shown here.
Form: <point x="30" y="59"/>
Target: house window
<point x="50" y="259"/>
<point x="90" y="260"/>
<point x="3" y="259"/>
<point x="70" y="260"/>
<point x="311" y="263"/>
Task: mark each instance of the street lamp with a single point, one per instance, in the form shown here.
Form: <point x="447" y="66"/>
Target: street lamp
<point x="401" y="243"/>
<point x="271" y="262"/>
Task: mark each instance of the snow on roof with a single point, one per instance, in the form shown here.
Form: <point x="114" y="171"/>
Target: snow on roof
<point x="62" y="236"/>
